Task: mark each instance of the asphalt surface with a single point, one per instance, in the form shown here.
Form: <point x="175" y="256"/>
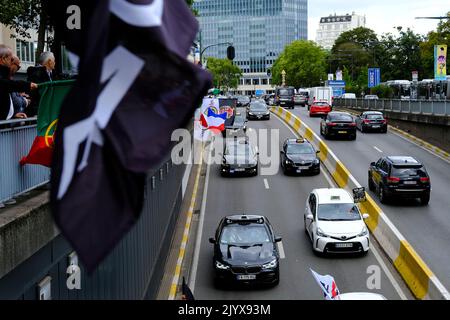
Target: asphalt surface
<point x="427" y="228"/>
<point x="283" y="203"/>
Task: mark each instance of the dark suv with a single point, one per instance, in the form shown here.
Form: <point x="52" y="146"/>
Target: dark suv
<point x="284" y="97"/>
<point x="246" y="251"/>
<point x="399" y="177"/>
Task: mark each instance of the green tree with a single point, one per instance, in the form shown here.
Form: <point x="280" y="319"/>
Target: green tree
<point x="23" y="15"/>
<point x="225" y="74"/>
<point x="190" y="3"/>
<point x="304" y="63"/>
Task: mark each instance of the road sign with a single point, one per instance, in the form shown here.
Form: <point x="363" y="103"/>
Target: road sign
<point x="336" y="83"/>
<point x="259" y="93"/>
<point x="374" y="77"/>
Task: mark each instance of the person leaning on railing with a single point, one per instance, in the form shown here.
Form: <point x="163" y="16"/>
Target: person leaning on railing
<point x="8" y="86"/>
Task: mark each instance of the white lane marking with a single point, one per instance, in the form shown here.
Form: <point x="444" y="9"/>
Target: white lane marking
<point x="266" y="184"/>
<point x="387" y="272"/>
<point x="281" y="250"/>
<point x="198" y="240"/>
<point x="372" y="247"/>
<point x="379" y="150"/>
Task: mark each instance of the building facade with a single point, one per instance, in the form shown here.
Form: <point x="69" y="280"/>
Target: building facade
<point x="258" y="29"/>
<point x="331" y="27"/>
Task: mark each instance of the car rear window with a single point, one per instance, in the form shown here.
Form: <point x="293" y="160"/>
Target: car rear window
<point x="340" y="117"/>
<point x="286" y="92"/>
<point x="321" y="104"/>
<point x="408" y="171"/>
<point x="374" y="117"/>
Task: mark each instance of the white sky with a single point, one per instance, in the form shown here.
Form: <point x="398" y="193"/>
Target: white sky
<point x="381" y="15"/>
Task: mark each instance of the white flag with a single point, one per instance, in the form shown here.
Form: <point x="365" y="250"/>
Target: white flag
<point x="327" y="284"/>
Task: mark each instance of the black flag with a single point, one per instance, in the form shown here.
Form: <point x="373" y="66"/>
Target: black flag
<point x="135" y="86"/>
<point x="186" y="293"/>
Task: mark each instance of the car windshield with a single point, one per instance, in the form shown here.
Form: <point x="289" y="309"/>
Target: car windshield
<point x="299" y="149"/>
<point x="244" y="234"/>
<point x="239" y="150"/>
<point x="243" y="99"/>
<point x="338" y="212"/>
<point x="374" y="117"/>
<point x="405" y="171"/>
<point x="258" y="107"/>
<point x="239" y="120"/>
<point x="286" y="92"/>
<point x="340" y="117"/>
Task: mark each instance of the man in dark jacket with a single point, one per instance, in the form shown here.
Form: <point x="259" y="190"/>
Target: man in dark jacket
<point x="8" y="86"/>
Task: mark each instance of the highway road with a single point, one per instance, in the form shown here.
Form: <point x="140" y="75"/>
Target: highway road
<point x="282" y="199"/>
<point x="427" y="228"/>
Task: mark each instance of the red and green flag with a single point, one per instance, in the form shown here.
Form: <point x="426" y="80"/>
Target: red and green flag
<point x="52" y="96"/>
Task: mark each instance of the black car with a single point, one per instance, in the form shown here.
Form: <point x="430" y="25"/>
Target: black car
<point x="299" y="156"/>
<point x="338" y="124"/>
<point x="284" y="97"/>
<point x="239" y="158"/>
<point x="399" y="177"/>
<point x="245" y="251"/>
<point x="243" y="101"/>
<point x="258" y="110"/>
<point x="371" y="121"/>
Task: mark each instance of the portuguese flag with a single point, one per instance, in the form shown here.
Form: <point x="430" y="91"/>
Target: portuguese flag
<point x="52" y="96"/>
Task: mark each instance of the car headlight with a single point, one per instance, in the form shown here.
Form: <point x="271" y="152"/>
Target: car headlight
<point x="251" y="113"/>
<point x="364" y="232"/>
<point x="221" y="266"/>
<point x="316" y="161"/>
<point x="272" y="264"/>
<point x="267" y="113"/>
<point x="288" y="161"/>
<point x="320" y="233"/>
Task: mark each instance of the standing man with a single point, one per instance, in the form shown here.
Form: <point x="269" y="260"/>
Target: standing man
<point x="43" y="72"/>
<point x="8" y="86"/>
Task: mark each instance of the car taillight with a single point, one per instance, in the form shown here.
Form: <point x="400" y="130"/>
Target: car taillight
<point x="393" y="180"/>
<point x="293" y="99"/>
<point x="353" y="124"/>
<point x="331" y="124"/>
<point x="425" y="180"/>
<point x="384" y="121"/>
<point x="366" y="121"/>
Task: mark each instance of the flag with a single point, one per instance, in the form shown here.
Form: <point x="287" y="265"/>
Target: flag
<point x="440" y="62"/>
<point x="135" y="86"/>
<point x="215" y="121"/>
<point x="209" y="122"/>
<point x="52" y="95"/>
<point x="186" y="293"/>
<point x="327" y="284"/>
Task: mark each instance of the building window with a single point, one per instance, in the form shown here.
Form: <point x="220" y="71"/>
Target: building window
<point x="25" y="51"/>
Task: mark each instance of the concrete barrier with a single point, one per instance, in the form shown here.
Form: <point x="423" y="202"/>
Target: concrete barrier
<point x="416" y="274"/>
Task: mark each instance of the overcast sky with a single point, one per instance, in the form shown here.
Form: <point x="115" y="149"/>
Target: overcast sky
<point x="381" y="15"/>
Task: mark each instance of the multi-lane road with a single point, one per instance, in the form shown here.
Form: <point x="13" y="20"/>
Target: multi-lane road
<point x="427" y="228"/>
<point x="282" y="199"/>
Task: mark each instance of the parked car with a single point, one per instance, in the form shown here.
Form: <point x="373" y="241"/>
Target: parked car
<point x="338" y="124"/>
<point x="284" y="97"/>
<point x="246" y="251"/>
<point x="399" y="177"/>
<point x="319" y="108"/>
<point x="371" y="121"/>
<point x="334" y="223"/>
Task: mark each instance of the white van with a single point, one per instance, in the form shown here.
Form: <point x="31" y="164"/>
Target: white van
<point x="324" y="94"/>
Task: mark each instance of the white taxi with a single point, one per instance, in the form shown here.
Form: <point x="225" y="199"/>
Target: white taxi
<point x="334" y="223"/>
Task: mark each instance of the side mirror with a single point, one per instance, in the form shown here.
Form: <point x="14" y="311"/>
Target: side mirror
<point x="212" y="240"/>
<point x="318" y="151"/>
<point x="278" y="239"/>
<point x="282" y="152"/>
<point x="310" y="217"/>
<point x="373" y="164"/>
<point x="365" y="216"/>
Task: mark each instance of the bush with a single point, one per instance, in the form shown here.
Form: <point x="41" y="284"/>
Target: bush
<point x="382" y="91"/>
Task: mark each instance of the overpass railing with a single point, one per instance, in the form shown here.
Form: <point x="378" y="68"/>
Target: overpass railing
<point x="429" y="107"/>
<point x="16" y="138"/>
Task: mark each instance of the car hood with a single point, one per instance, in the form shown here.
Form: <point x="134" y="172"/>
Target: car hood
<point x="301" y="157"/>
<point x="257" y="254"/>
<point x="337" y="228"/>
<point x="240" y="160"/>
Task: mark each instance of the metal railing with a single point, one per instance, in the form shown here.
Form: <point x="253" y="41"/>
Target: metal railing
<point x="428" y="107"/>
<point x="16" y="138"/>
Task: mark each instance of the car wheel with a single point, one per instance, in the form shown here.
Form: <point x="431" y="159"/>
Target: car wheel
<point x="425" y="199"/>
<point x="382" y="194"/>
<point x="362" y="129"/>
<point x="364" y="253"/>
<point x="353" y="137"/>
<point x="384" y="131"/>
<point x="321" y="131"/>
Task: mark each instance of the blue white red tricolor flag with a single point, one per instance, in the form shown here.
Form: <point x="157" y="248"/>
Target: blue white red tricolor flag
<point x="211" y="120"/>
<point x="327" y="284"/>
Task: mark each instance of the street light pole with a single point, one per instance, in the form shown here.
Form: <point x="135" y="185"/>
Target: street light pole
<point x="213" y="45"/>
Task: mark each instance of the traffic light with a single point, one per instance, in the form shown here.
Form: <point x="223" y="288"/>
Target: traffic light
<point x="230" y="53"/>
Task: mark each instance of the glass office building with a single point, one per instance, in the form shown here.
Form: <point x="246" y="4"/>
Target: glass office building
<point x="258" y="29"/>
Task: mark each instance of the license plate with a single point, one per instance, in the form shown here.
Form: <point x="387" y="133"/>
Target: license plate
<point x="239" y="170"/>
<point x="282" y="102"/>
<point x="303" y="168"/>
<point x="342" y="132"/>
<point x="259" y="117"/>
<point x="375" y="126"/>
<point x="344" y="245"/>
<point x="246" y="277"/>
<point x="410" y="182"/>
